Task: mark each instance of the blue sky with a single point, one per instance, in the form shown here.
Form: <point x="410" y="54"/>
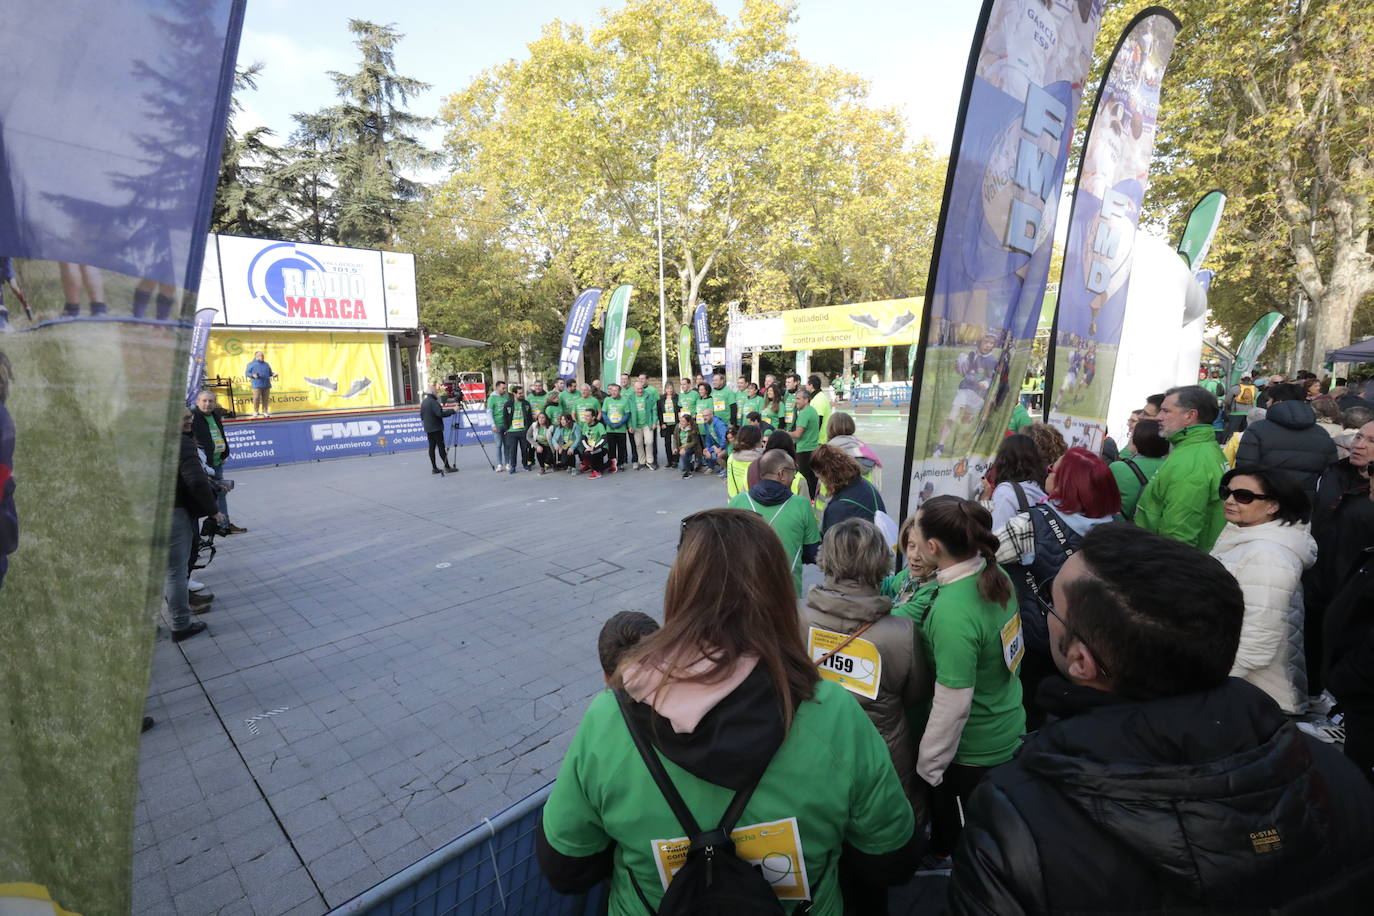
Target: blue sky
<point x="912" y="52"/>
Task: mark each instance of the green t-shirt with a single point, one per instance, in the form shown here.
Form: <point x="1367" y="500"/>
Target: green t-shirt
<point x="965" y="646"/>
<point x="219" y="445"/>
<point x="541" y="434"/>
<point x="789" y="414"/>
<point x="617" y="413"/>
<point x="748" y="406"/>
<point x="537" y="403"/>
<point x="554" y="411"/>
<point x="775" y="416"/>
<point x="568" y="401"/>
<point x="1020" y="418"/>
<point x="909" y="599"/>
<point x="699" y="411"/>
<point x="644" y="409"/>
<point x="1129" y="484"/>
<point x="722" y="399"/>
<point x="594" y="436"/>
<point x="820" y="403"/>
<point x="496" y="404"/>
<point x="810" y="423"/>
<point x="833" y="773"/>
<point x="795" y="524"/>
<point x="688" y="401"/>
<point x="585" y="404"/>
<point x="517" y="416"/>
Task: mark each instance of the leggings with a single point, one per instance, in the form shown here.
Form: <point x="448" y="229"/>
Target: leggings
<point x="804" y="465"/>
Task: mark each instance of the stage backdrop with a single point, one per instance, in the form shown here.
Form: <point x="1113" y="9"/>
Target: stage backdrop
<point x="319" y="370"/>
<point x="993" y="244"/>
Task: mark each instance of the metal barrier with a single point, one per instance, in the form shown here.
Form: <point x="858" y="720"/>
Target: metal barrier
<point x="491" y="869"/>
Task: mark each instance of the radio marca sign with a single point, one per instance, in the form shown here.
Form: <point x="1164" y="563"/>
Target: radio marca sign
<point x="267" y="283"/>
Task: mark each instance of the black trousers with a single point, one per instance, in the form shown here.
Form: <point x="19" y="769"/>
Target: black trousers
<point x="596" y="458"/>
<point x="804" y="465"/>
<point x="436" y="441"/>
<point x="615" y="449"/>
<point x="1359" y="741"/>
<point x="669" y="438"/>
<point x="948" y="802"/>
<point x="544" y="455"/>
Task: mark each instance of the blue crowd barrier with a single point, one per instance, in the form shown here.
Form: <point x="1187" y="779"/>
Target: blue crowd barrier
<point x="491" y="869"/>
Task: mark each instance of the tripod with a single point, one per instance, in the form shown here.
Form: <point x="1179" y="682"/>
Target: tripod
<point x="453" y="458"/>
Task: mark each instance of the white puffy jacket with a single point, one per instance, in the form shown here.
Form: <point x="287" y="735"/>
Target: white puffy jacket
<point x="1268" y="560"/>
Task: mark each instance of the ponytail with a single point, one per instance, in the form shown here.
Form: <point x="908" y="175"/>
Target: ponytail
<point x="965" y="529"/>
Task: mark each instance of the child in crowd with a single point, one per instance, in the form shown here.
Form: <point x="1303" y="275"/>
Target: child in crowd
<point x="748" y="449"/>
<point x="619" y="635"/>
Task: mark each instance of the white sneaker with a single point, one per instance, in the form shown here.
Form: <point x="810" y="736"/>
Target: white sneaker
<point x="193" y="585"/>
<point x="500" y="468"/>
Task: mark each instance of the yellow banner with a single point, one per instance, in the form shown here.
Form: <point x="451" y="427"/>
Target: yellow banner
<point x="316" y="370"/>
<point x="892" y="322"/>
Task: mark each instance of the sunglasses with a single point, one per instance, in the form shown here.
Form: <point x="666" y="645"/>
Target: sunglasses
<point x="1244" y="497"/>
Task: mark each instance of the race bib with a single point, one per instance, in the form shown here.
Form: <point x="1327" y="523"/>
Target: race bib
<point x="775" y="847"/>
<point x="668" y="415"/>
<point x="718" y="404"/>
<point x="857" y="667"/>
<point x="614" y="413"/>
<point x="789" y="416"/>
<point x="1013" y="643"/>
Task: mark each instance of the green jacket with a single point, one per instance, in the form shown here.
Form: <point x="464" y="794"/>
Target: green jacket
<point x="1181" y="500"/>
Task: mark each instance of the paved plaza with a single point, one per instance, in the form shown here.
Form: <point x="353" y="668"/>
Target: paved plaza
<point x="392" y="656"/>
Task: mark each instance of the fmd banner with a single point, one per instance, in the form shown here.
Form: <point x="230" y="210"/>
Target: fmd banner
<point x="575" y="334"/>
<point x="992" y="254"/>
<point x="1112" y="179"/>
<point x="703" y="340"/>
<point x="253" y="445"/>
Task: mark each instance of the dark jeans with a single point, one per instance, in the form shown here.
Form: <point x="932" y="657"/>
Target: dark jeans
<point x="174" y="591"/>
<point x="221" y="496"/>
<point x="436" y="443"/>
<point x="596" y="458"/>
<point x="949" y="802"/>
<point x="1359" y="741"/>
<point x="515" y="441"/>
<point x="564" y="460"/>
<point x="687" y="459"/>
<point x="615" y="448"/>
<point x="804" y="465"/>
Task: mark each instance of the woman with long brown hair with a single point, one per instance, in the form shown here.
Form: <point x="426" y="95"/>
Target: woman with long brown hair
<point x="973" y="635"/>
<point x="849" y="495"/>
<point x="729" y="700"/>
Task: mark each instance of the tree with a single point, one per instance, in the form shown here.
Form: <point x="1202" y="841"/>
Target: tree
<point x="1274" y="103"/>
<point x="365" y="144"/>
<point x="247" y="194"/>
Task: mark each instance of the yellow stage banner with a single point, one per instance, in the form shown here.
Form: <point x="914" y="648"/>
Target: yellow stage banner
<point x="891" y="322"/>
<point x="317" y="370"/>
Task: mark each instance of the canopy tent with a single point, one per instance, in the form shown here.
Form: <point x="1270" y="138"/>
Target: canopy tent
<point x="449" y="340"/>
<point x="1362" y="352"/>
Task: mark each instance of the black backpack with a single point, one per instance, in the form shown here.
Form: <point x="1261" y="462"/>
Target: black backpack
<point x="713" y="881"/>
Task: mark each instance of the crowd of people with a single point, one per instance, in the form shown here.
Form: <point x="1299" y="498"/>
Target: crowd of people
<point x="1105" y="686"/>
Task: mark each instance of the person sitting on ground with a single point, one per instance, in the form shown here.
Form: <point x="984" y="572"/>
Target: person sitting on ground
<point x="775" y="497"/>
<point x="1266" y="546"/>
<point x="1019" y="472"/>
<point x="621" y="633"/>
<point x="688" y="444"/>
<point x="850" y="496"/>
<point x="714" y="441"/>
<point x="1181" y="500"/>
<point x="566" y="441"/>
<point x="748" y="449"/>
<point x="973" y="639"/>
<point x="728" y="698"/>
<point x="849" y="630"/>
<point x="840" y="430"/>
<point x="1147" y="453"/>
<point x="1287" y="439"/>
<point x="540" y="442"/>
<point x="1161" y="785"/>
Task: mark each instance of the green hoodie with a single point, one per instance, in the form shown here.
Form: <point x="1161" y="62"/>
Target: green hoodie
<point x="1181" y="500"/>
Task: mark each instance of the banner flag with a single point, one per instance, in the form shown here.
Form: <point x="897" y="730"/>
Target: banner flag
<point x="613" y="337"/>
<point x="734" y="354"/>
<point x="575" y="334"/>
<point x="993" y="244"/>
<point x="1113" y="176"/>
<point x="200" y="340"/>
<point x="703" y="341"/>
<point x="1201" y="228"/>
<point x="684" y="351"/>
<point x="633" y="342"/>
<point x="111" y="123"/>
<point x="1253" y="345"/>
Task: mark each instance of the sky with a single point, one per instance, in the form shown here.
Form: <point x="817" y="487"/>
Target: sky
<point x="912" y="52"/>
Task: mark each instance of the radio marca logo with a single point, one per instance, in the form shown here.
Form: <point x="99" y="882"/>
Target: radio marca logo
<point x="294" y="284"/>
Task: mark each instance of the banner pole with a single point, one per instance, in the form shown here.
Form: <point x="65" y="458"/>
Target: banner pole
<point x="662" y="302"/>
<point x="923" y="337"/>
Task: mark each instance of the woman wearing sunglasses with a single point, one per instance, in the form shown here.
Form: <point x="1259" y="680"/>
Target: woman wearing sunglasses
<point x="727" y="697"/>
<point x="1266" y="546"/>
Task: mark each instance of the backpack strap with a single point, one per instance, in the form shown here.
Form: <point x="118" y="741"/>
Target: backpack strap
<point x="1139" y="474"/>
<point x="700" y="839"/>
<point x="1022" y="503"/>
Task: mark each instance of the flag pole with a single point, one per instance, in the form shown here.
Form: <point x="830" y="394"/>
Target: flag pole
<point x="662" y="307"/>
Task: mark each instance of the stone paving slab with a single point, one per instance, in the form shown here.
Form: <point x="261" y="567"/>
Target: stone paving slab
<point x="392" y="656"/>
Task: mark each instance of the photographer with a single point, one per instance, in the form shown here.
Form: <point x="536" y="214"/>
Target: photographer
<point x="209" y="433"/>
<point x="432" y="418"/>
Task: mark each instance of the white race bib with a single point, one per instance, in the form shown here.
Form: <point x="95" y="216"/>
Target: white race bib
<point x="857" y="667"/>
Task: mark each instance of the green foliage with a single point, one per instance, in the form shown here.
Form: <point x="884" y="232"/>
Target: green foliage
<point x="247" y="195"/>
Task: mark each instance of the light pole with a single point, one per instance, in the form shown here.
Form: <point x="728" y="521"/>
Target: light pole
<point x="662" y="307"/>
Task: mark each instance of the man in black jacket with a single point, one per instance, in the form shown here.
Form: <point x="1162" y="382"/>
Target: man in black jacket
<point x="1160" y="784"/>
<point x="195" y="499"/>
<point x="1348" y="655"/>
<point x="1288" y="439"/>
<point x="432" y="419"/>
<point x="207" y="422"/>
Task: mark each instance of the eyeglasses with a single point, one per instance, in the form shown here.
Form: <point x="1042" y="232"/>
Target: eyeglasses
<point x="1244" y="497"/>
<point x="1074" y="633"/>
